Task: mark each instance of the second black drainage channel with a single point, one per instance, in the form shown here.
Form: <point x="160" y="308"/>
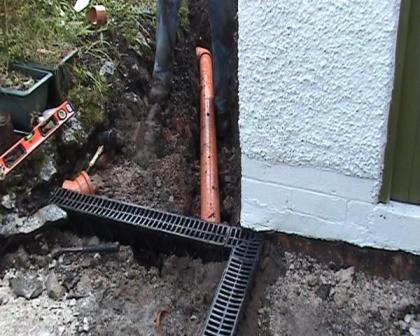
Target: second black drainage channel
<point x="245" y="246"/>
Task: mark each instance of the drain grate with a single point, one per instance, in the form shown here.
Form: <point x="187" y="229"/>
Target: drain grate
<point x="232" y="292"/>
<point x="150" y="219"/>
<point x="231" y="296"/>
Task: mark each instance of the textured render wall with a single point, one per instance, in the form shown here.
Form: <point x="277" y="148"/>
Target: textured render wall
<point x="315" y="81"/>
<point x="315" y="84"/>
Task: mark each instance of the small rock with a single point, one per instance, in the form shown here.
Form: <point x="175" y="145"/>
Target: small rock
<point x="345" y="276"/>
<point x="85" y="325"/>
<point x="26" y="286"/>
<point x="73" y="134"/>
<point x="8" y="201"/>
<point x="158" y="182"/>
<point x="108" y="68"/>
<point x="193" y="318"/>
<point x="414" y="331"/>
<point x="93" y="241"/>
<point x="52" y="264"/>
<point x="131" y="97"/>
<point x="48" y="170"/>
<point x="324" y="291"/>
<point x="70" y="280"/>
<point x="54" y="289"/>
<point x="261" y="311"/>
<point x="46" y="215"/>
<point x="312" y="280"/>
<point x="72" y="302"/>
<point x="408" y="318"/>
<point x="3" y="299"/>
<point x="83" y="287"/>
<point x="340" y="298"/>
<point x="403" y="325"/>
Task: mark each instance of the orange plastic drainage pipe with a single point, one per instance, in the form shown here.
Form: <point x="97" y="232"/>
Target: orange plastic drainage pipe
<point x="209" y="174"/>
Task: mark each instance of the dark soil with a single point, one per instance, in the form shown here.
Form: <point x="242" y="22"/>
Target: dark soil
<point x="104" y="294"/>
<point x="296" y="295"/>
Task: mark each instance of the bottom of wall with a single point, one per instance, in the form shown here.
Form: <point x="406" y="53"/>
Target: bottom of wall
<point x="319" y="214"/>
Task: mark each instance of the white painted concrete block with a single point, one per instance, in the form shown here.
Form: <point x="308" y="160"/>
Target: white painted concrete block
<point x="268" y="195"/>
<point x="358" y="213"/>
<point x="327" y="207"/>
<point x="396" y="226"/>
<point x="313" y="179"/>
<point x="261" y="219"/>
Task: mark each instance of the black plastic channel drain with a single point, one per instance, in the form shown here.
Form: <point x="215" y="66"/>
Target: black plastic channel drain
<point x="232" y="292"/>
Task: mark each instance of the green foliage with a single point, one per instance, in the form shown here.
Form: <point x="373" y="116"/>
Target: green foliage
<point x="183" y="16"/>
<point x="90" y="91"/>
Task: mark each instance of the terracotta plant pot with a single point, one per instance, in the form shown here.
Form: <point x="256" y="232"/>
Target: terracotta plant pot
<point x="82" y="184"/>
<point x="97" y="15"/>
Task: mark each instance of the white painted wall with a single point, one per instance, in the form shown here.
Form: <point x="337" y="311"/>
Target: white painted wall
<point x="316" y="79"/>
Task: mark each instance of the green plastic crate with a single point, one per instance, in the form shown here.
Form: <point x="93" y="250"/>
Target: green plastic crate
<point x="23" y="104"/>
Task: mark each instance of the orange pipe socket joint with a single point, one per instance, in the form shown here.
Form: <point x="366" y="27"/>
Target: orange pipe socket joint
<point x="82" y="184"/>
<point x="97" y="15"/>
<point x="209" y="174"/>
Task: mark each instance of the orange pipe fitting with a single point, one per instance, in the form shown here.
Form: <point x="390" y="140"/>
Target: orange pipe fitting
<point x="82" y="184"/>
<point x="209" y="174"/>
<point x="97" y="15"/>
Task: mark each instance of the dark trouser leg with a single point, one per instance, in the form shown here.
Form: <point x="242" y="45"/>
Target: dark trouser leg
<point x="222" y="23"/>
<point x="167" y="25"/>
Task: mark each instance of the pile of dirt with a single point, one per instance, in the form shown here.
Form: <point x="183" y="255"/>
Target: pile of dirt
<point x="296" y="295"/>
<point x="102" y="294"/>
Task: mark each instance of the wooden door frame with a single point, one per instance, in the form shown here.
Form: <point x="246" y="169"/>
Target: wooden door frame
<point x="400" y="53"/>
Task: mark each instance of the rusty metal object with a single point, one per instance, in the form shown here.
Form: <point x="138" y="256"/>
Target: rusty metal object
<point x="158" y="322"/>
<point x="7" y="137"/>
<point x="97" y="15"/>
<point x="210" y="198"/>
<point x="82" y="184"/>
<point x="105" y="247"/>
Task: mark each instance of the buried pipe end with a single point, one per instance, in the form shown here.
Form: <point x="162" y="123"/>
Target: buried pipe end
<point x="200" y="51"/>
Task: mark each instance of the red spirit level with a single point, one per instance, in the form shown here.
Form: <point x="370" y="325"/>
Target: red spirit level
<point x="25" y="146"/>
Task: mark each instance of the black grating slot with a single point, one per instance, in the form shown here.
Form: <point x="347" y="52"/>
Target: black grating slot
<point x="145" y="218"/>
<point x="232" y="292"/>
